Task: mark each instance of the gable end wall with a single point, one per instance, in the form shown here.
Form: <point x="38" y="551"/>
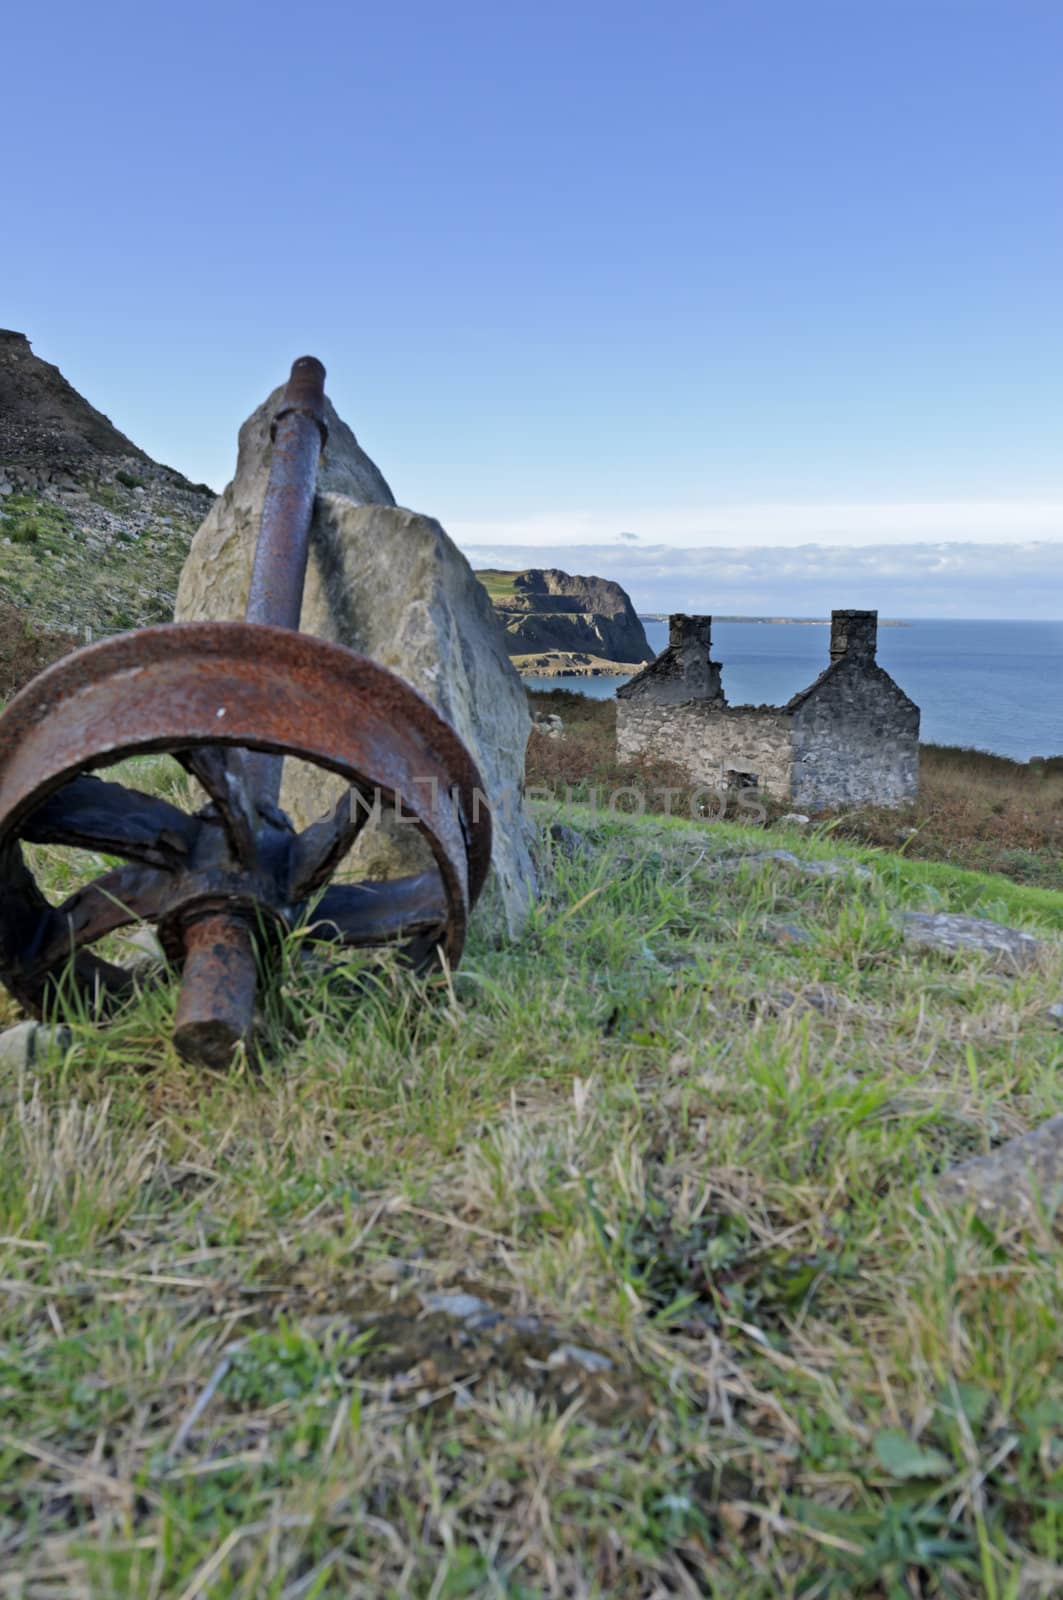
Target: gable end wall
<point x="855" y="741"/>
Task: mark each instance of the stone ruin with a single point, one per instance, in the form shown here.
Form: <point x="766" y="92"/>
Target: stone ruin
<point x="850" y="738"/>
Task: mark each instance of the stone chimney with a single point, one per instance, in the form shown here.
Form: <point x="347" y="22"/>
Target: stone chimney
<point x="690" y="640"/>
<point x="690" y="633"/>
<point x="853" y="636"/>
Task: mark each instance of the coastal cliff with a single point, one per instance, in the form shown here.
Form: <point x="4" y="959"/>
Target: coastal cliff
<point x="561" y="624"/>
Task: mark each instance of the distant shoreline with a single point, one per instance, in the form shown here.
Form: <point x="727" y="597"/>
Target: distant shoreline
<point x="800" y="622"/>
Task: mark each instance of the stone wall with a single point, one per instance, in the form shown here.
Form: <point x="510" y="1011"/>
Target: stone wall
<point x="709" y="740"/>
<point x="855" y="739"/>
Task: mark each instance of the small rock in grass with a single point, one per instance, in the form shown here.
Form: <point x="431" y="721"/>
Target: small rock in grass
<point x="811" y="869"/>
<point x="794" y="819"/>
<point x="956" y="934"/>
<point x="456" y="1304"/>
<point x="785" y="858"/>
<point x="788" y="933"/>
<point x="1015" y="1180"/>
<point x="483" y="1321"/>
<point x="836" y="869"/>
<point x="567" y="840"/>
<point x="26" y="1043"/>
<point x="780" y="1000"/>
<point x="1055" y="1013"/>
<point x="589" y="1360"/>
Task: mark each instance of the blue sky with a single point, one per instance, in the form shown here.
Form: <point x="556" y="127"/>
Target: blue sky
<point x="744" y="275"/>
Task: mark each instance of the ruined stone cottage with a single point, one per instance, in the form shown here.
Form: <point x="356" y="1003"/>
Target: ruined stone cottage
<point x="850" y="738"/>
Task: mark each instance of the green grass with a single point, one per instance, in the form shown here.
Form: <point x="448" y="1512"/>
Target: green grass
<point x="644" y="1129"/>
<point x="64" y="577"/>
<point x="28" y="519"/>
<point x="499" y="585"/>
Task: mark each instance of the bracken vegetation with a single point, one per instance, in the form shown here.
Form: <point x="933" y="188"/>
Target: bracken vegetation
<point x="608" y="1265"/>
<point x="25" y="650"/>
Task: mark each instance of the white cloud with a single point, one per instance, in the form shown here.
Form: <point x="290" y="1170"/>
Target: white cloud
<point x="974" y="521"/>
<point x="927" y="579"/>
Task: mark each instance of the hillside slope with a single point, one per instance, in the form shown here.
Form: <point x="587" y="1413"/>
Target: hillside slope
<point x="93" y="532"/>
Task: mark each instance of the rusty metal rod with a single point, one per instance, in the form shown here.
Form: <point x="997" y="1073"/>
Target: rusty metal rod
<point x="216" y="1009"/>
<point x="299" y="433"/>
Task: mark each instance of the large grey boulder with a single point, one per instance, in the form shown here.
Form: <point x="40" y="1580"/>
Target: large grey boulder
<point x="391" y="584"/>
<point x="219" y="562"/>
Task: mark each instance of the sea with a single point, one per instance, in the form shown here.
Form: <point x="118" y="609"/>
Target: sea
<point x="995" y="686"/>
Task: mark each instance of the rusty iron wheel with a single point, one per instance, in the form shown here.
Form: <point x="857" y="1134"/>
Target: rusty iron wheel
<point x="215" y="883"/>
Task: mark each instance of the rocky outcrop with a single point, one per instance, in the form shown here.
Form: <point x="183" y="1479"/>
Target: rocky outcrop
<point x="45" y="423"/>
<point x="391" y="584"/>
<point x="42" y="416"/>
<point x="545" y="609"/>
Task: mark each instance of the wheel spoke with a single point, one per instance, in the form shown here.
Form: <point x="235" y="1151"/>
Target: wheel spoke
<point x="91" y="814"/>
<point x="26" y="918"/>
<point x="34" y="939"/>
<point x="223" y="774"/>
<point x="373" y="913"/>
<point x="128" y="894"/>
<point x="321" y="847"/>
<point x="98" y="981"/>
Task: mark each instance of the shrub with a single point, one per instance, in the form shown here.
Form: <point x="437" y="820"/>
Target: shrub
<point x="27" y="530"/>
<point x="129" y="480"/>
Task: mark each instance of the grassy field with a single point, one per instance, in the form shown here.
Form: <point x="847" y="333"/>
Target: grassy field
<point x="607" y="1265"/>
<point x="499" y="585"/>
